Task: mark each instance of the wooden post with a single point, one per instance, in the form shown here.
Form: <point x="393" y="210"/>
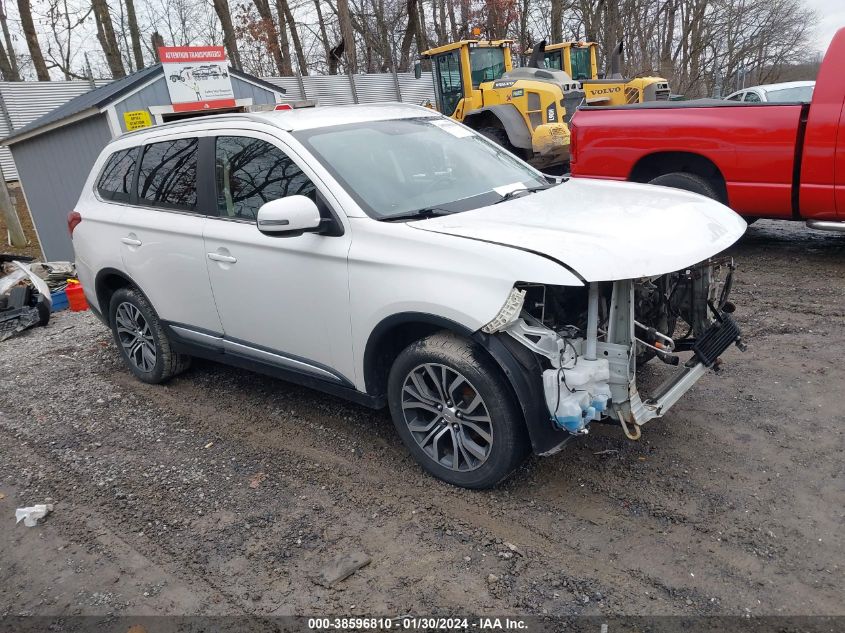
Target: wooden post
<point x="10" y="215"/>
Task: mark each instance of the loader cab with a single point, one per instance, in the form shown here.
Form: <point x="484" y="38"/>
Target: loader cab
<point x="461" y="67"/>
<point x="576" y="59"/>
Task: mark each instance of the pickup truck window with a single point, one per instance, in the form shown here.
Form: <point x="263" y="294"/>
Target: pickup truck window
<point x="395" y="167"/>
<point x="801" y="94"/>
<point x="752" y="97"/>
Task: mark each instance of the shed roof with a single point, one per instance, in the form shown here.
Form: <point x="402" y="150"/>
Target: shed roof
<point x="97" y="99"/>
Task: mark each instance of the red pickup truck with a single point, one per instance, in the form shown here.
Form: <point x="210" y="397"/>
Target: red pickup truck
<point x="764" y="160"/>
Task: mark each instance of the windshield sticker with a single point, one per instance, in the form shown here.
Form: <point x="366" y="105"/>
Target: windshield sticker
<point x="506" y="189"/>
<point x="458" y="131"/>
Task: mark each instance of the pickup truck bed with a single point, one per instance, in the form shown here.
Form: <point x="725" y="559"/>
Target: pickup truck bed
<point x="772" y="160"/>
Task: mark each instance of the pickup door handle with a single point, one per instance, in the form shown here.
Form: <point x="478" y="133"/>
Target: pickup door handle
<point x="217" y="257"/>
<point x="130" y="241"/>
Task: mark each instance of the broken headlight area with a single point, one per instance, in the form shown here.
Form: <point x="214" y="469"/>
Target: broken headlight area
<point x="590" y="340"/>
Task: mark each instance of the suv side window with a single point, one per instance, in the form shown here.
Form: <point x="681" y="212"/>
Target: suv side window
<point x="115" y="182"/>
<point x="250" y="172"/>
<point x="167" y="177"/>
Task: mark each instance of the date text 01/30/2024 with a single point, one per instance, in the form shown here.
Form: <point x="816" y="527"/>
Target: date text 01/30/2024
<point x="417" y="624"/>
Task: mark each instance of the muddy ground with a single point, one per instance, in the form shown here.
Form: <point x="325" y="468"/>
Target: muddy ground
<point x="226" y="492"/>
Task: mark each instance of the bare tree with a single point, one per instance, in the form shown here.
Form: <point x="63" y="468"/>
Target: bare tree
<point x="9" y="50"/>
<point x="31" y="36"/>
<point x="106" y="36"/>
<point x="134" y="34"/>
<point x="348" y="35"/>
<point x="221" y="7"/>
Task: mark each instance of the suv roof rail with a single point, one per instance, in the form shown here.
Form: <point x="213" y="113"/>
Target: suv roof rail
<point x="249" y="116"/>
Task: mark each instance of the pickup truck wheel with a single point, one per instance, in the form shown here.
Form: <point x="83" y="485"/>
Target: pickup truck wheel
<point x="140" y="337"/>
<point x="687" y="182"/>
<point x="455" y="412"/>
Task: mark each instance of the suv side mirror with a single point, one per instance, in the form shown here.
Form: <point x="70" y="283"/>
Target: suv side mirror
<point x="417" y="69"/>
<point x="292" y="215"/>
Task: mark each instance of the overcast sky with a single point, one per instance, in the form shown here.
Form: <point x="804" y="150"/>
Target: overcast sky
<point x="831" y="17"/>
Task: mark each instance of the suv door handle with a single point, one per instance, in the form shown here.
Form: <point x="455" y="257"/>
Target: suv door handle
<point x="217" y="257"/>
<point x="130" y="241"/>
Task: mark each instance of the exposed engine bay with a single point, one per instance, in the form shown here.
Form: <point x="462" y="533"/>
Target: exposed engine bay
<point x="590" y="340"/>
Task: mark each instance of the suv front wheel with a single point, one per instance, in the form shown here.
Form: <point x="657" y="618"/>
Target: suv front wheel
<point x="455" y="411"/>
<point x="140" y="337"/>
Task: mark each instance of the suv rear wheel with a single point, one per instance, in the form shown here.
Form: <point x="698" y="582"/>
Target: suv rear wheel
<point x="455" y="412"/>
<point x="140" y="337"/>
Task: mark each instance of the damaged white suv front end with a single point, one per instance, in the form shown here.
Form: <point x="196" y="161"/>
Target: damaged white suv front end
<point x="591" y="357"/>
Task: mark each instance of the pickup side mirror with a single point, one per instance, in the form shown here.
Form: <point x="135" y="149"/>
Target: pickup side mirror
<point x="417" y="69"/>
<point x="292" y="215"/>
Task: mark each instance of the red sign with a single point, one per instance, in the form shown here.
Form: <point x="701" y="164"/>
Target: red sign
<point x="187" y="54"/>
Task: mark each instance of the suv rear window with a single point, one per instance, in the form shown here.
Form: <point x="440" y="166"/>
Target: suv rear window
<point x="168" y="174"/>
<point x="115" y="181"/>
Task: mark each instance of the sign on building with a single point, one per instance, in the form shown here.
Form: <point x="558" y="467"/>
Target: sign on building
<point x="136" y="120"/>
<point x="197" y="77"/>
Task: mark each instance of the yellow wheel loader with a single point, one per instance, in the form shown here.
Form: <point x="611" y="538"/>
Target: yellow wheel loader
<point x="578" y="60"/>
<point x="522" y="109"/>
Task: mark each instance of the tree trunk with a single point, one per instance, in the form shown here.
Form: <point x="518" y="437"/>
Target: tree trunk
<point x="108" y="41"/>
<point x="452" y="23"/>
<point x="324" y="38"/>
<point x="6" y="66"/>
<point x="10" y="214"/>
<point x="32" y="44"/>
<point x="301" y="60"/>
<point x="284" y="41"/>
<point x="157" y="42"/>
<point x="268" y="26"/>
<point x="134" y="34"/>
<point x="14" y="71"/>
<point x="557" y="21"/>
<point x="348" y="35"/>
<point x="221" y="7"/>
<point x="411" y="30"/>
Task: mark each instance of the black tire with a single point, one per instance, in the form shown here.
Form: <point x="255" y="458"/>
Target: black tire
<point x="508" y="445"/>
<point x="167" y="362"/>
<point x="687" y="182"/>
<point x="499" y="137"/>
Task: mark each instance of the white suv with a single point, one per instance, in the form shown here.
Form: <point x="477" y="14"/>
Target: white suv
<point x="391" y="256"/>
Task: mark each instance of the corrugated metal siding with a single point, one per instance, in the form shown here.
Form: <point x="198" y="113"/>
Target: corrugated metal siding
<point x="416" y="90"/>
<point x="53" y="168"/>
<point x="28" y="100"/>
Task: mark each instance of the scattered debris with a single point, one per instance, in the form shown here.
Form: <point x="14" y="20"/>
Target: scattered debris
<point x="342" y="568"/>
<point x="33" y="515"/>
<point x="25" y="298"/>
<point x="609" y="451"/>
<point x="209" y="445"/>
<point x="492" y="579"/>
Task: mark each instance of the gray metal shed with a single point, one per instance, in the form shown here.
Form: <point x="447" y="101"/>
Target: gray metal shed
<point x="54" y="153"/>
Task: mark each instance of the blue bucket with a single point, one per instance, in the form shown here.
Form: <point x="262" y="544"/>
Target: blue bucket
<point x="59" y="300"/>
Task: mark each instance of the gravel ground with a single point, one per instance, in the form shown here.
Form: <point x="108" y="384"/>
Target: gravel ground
<point x="226" y="492"/>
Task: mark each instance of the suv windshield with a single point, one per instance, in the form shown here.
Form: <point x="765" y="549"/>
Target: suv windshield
<point x="394" y="168"/>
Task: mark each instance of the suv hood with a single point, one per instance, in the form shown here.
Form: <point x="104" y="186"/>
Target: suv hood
<point x="603" y="230"/>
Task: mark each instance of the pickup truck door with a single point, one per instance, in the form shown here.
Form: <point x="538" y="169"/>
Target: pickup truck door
<point x="839" y="167"/>
<point x="282" y="300"/>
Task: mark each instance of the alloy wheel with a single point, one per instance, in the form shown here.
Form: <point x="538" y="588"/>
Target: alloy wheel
<point x="447" y="417"/>
<point x="135" y="336"/>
